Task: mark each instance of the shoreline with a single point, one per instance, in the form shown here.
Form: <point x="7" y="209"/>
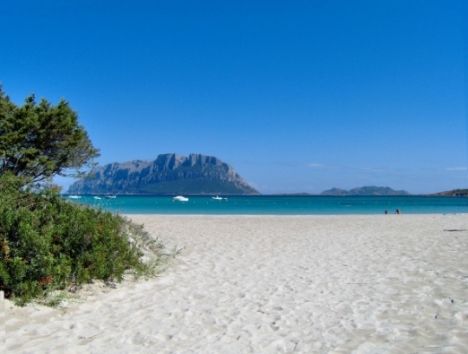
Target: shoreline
<point x="291" y="215"/>
<point x="273" y="205"/>
<point x="275" y="284"/>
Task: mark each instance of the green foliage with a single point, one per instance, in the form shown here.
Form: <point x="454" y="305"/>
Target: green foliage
<point x="39" y="140"/>
<point x="47" y="243"/>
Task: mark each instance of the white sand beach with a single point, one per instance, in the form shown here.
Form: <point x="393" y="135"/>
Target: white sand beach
<point x="274" y="284"/>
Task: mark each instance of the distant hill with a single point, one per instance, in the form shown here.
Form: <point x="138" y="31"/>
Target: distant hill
<point x="366" y="190"/>
<point x="335" y="191"/>
<point x="454" y="193"/>
<point x="168" y="174"/>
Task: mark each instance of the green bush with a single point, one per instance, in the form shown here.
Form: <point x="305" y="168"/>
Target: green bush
<point x="47" y="243"/>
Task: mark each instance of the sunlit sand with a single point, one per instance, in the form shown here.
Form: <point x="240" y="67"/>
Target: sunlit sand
<point x="282" y="284"/>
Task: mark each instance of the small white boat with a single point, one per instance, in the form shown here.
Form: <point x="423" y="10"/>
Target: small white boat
<point x="219" y="198"/>
<point x="180" y="198"/>
<point x="74" y="196"/>
<point x="97" y="198"/>
<point x="111" y="196"/>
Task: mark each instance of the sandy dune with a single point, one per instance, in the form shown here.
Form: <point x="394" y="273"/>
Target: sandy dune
<point x="309" y="284"/>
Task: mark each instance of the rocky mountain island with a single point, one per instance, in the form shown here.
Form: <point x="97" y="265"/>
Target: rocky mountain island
<point x="168" y="174"/>
<point x="365" y="191"/>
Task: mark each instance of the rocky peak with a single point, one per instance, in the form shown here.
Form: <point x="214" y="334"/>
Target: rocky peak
<point x="167" y="174"/>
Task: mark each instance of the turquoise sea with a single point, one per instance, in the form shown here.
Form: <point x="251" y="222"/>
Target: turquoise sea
<point x="278" y="205"/>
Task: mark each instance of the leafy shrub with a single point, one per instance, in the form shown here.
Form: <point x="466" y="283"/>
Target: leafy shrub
<point x="47" y="243"/>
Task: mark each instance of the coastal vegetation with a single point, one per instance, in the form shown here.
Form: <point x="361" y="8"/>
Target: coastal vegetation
<point x="454" y="193"/>
<point x="40" y="140"/>
<point x="47" y="243"/>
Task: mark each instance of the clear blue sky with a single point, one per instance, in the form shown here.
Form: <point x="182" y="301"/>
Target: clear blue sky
<point x="296" y="95"/>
